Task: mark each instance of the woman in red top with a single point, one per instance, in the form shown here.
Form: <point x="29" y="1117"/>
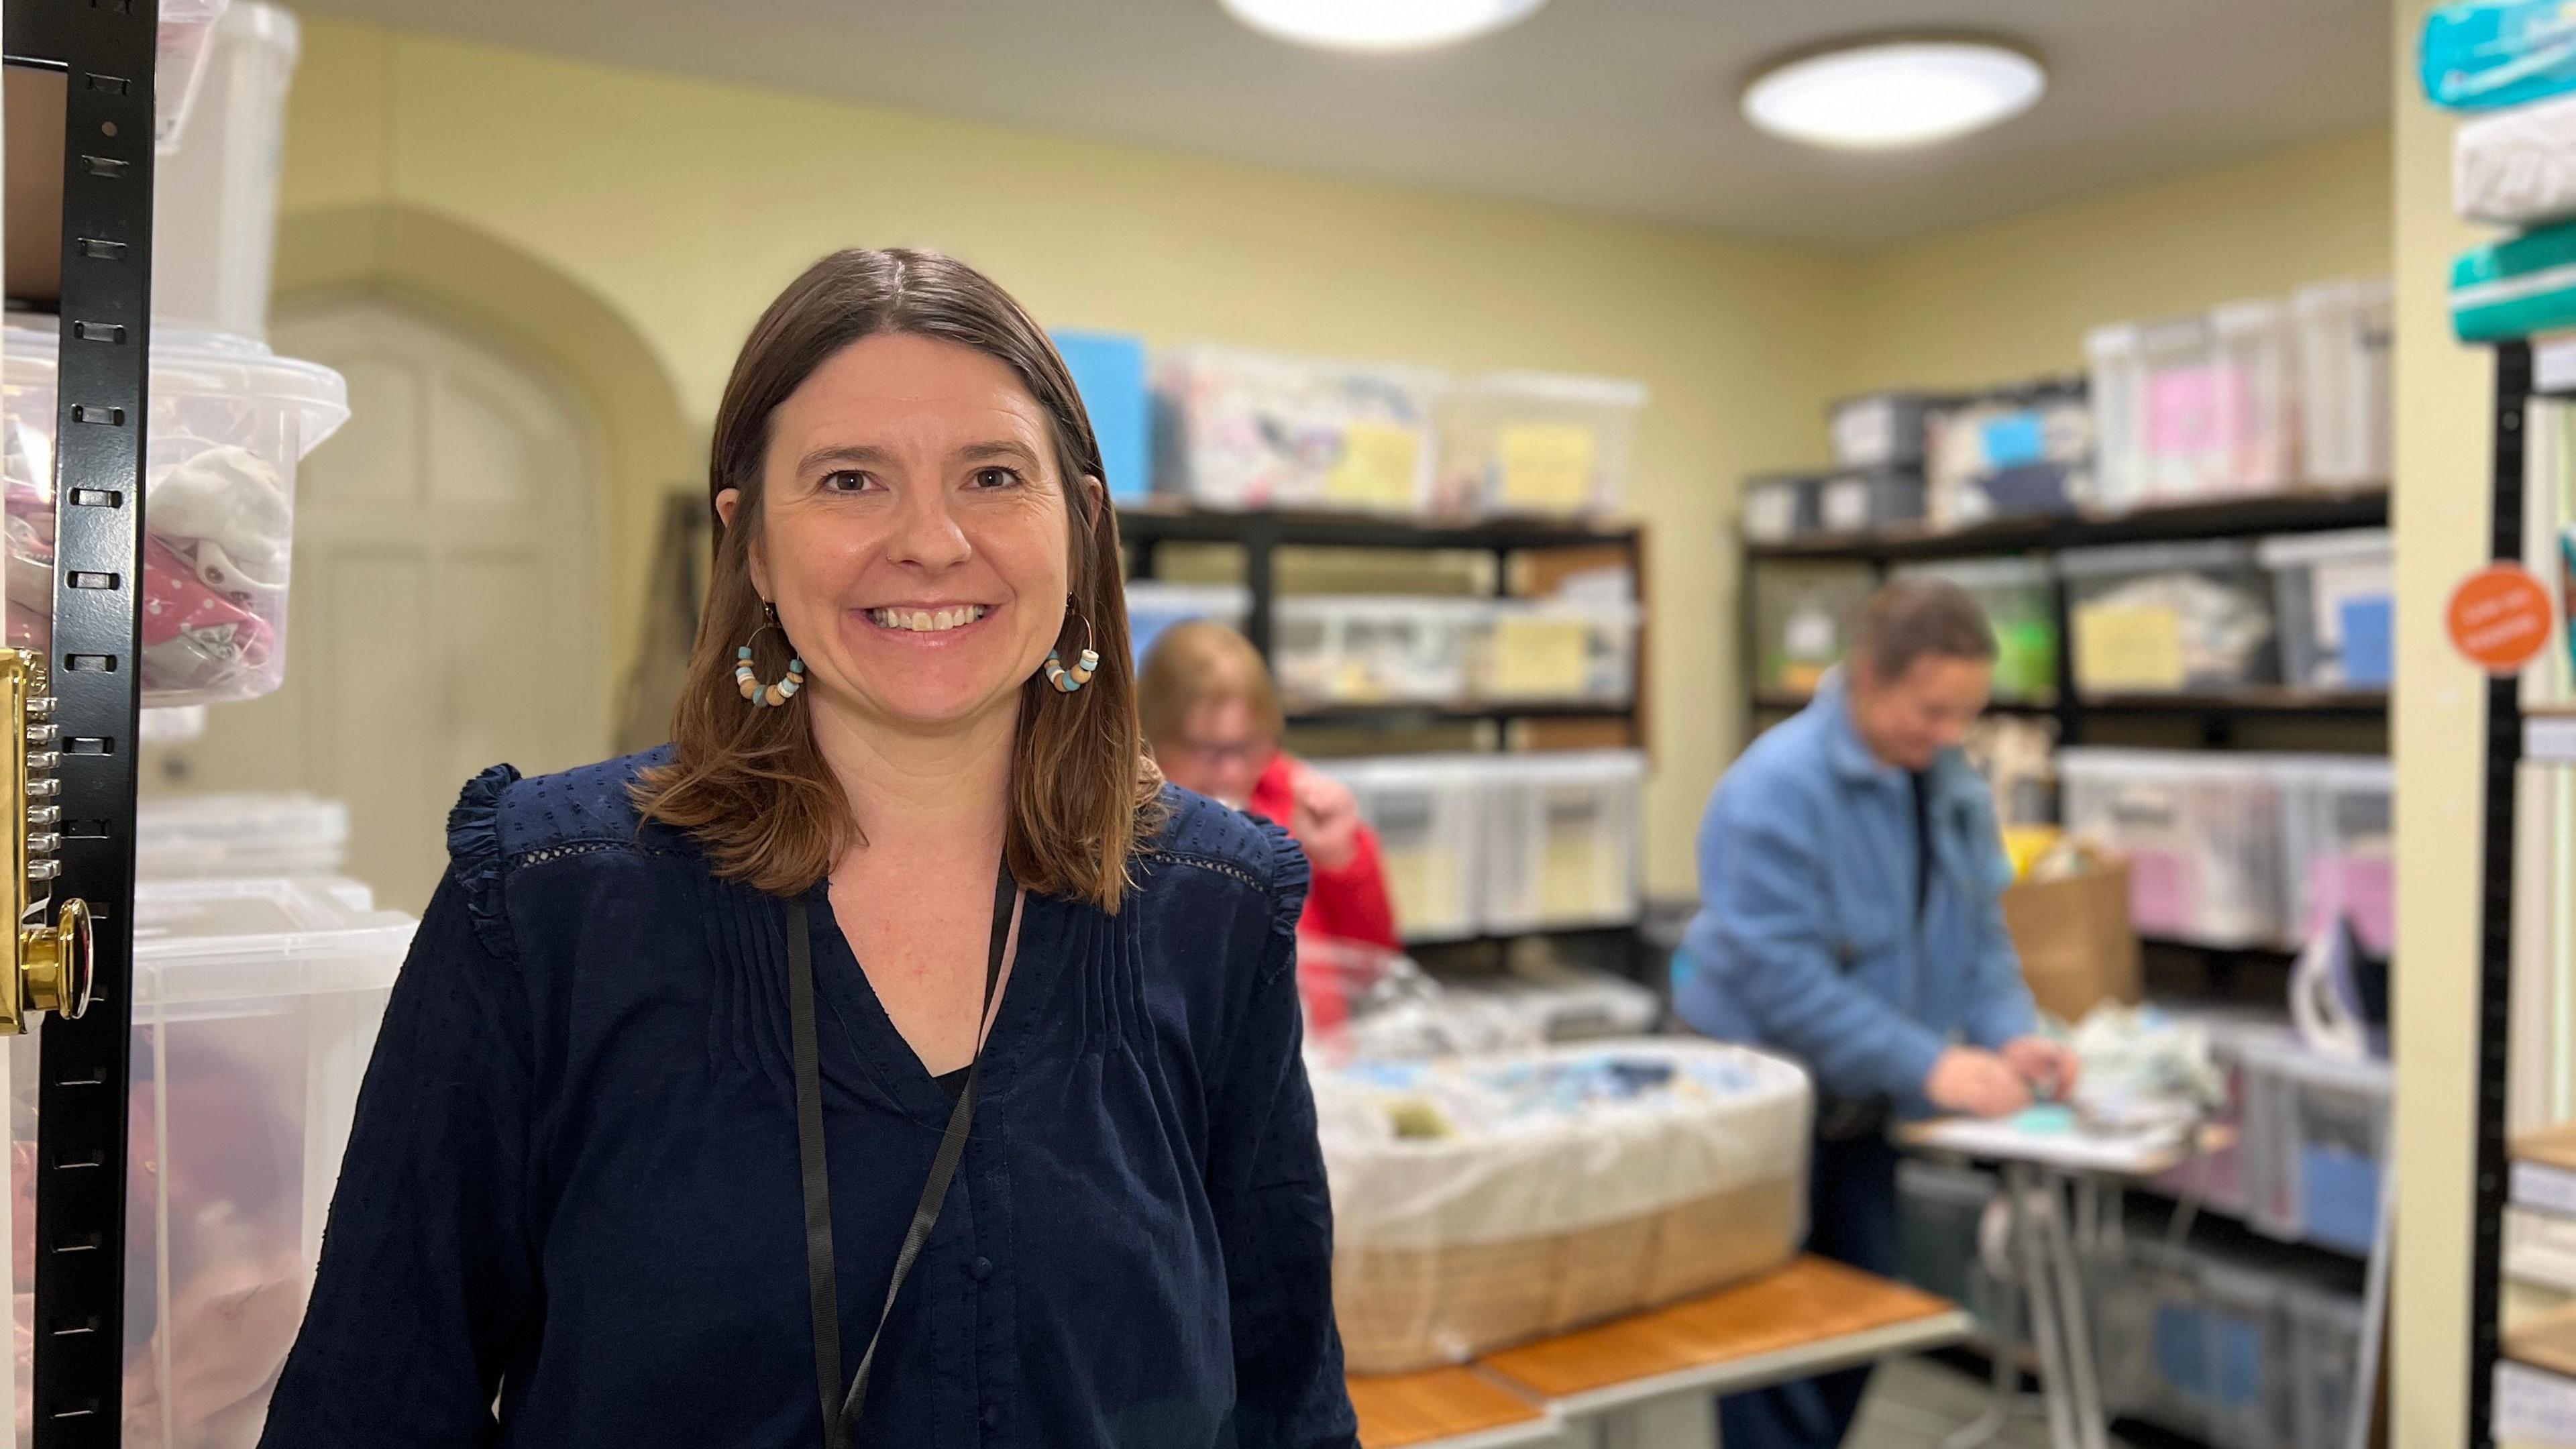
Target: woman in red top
<point x="1212" y="716"/>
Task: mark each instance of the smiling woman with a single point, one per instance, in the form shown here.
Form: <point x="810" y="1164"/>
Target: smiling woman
<point x="901" y="931"/>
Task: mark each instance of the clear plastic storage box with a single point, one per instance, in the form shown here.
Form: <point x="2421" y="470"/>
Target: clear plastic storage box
<point x="2325" y="1365"/>
<point x="1255" y="430"/>
<point x="2346" y="335"/>
<point x="2316" y="1135"/>
<point x="1153" y="607"/>
<point x="1564" y="650"/>
<point x="1779" y="507"/>
<point x="187" y="31"/>
<point x="2202" y="834"/>
<point x="187" y="837"/>
<point x="2195" y="407"/>
<point x="1537" y="444"/>
<point x="1424" y="810"/>
<point x="2116" y="357"/>
<point x="230" y="422"/>
<point x="2248" y="1346"/>
<point x="218" y="188"/>
<point x="2336" y="594"/>
<point x="1882" y="430"/>
<point x="256" y="1004"/>
<point x="2338" y="847"/>
<point x="2174" y="1389"/>
<point x="1561" y="836"/>
<point x="2020" y="599"/>
<point x="1871" y="500"/>
<point x="1802" y="619"/>
<point x="1555" y="1188"/>
<point x="1331" y="649"/>
<point x="2170" y="617"/>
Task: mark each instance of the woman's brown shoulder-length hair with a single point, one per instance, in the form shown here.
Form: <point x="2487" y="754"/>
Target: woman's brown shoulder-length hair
<point x="749" y="783"/>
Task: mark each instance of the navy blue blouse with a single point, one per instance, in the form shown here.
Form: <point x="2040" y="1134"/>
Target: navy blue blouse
<point x="572" y="1182"/>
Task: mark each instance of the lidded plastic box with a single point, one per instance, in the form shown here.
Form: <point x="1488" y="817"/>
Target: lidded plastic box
<point x="2019" y="597"/>
<point x="2338" y="846"/>
<point x="2316" y="1143"/>
<point x="1561" y="832"/>
<point x="2346" y="342"/>
<point x="1562" y="650"/>
<point x="2116" y="359"/>
<point x="2336" y="594"/>
<point x="2202" y="833"/>
<point x="1538" y="444"/>
<point x="1881" y="430"/>
<point x="256" y="1008"/>
<point x="1154" y="606"/>
<point x="216" y="191"/>
<point x="2325" y="1365"/>
<point x="182" y="837"/>
<point x="187" y="30"/>
<point x="1333" y="649"/>
<point x="1424" y="810"/>
<point x="230" y="422"/>
<point x="1782" y="506"/>
<point x="1257" y="430"/>
<point x="2248" y="1357"/>
<point x="2255" y="398"/>
<point x="2166" y="618"/>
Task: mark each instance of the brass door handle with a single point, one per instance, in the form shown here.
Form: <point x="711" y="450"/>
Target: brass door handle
<point x="58" y="964"/>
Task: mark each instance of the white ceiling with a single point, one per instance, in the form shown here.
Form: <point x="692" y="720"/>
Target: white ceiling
<point x="1618" y="106"/>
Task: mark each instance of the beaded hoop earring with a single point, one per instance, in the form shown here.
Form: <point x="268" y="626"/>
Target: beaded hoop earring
<point x="1066" y="681"/>
<point x="766" y="695"/>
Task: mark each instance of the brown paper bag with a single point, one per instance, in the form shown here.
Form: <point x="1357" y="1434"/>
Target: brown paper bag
<point x="2077" y="947"/>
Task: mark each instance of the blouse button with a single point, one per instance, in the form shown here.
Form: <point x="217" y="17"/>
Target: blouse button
<point x="980" y="1270"/>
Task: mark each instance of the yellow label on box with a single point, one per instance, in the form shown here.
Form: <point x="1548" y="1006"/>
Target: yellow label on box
<point x="1540" y="658"/>
<point x="2129" y="647"/>
<point x="1380" y="469"/>
<point x="1547" y="467"/>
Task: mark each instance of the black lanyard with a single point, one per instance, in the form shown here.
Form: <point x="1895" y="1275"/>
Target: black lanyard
<point x="841" y="1410"/>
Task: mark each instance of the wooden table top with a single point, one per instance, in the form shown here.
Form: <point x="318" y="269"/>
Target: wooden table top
<point x="1443" y="1403"/>
<point x="1809" y="1301"/>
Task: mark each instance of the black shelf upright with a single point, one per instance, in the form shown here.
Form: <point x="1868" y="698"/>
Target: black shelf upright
<point x="2504" y="750"/>
<point x="105" y="50"/>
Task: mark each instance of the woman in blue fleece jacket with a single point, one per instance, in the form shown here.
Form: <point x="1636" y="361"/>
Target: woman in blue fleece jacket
<point x="1851" y="877"/>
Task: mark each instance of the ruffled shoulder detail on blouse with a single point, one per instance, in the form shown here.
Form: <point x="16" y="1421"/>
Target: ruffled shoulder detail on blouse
<point x="475" y="857"/>
<point x="1256" y="852"/>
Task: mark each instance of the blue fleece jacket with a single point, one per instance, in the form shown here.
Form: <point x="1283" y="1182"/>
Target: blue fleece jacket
<point x="1811" y="937"/>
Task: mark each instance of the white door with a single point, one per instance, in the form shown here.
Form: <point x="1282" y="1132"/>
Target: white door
<point x="443" y="614"/>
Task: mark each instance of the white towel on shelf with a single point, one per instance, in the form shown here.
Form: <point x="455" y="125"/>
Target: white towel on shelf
<point x="2517" y="167"/>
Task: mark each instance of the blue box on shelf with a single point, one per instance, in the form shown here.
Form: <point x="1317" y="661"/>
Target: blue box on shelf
<point x="1109" y="370"/>
<point x="2491" y="53"/>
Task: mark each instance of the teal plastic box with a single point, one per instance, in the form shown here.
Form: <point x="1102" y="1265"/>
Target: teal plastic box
<point x="2516" y="287"/>
<point x="2498" y="53"/>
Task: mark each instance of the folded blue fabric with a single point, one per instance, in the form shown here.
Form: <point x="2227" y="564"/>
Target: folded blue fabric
<point x="2493" y="53"/>
<point x="2516" y="287"/>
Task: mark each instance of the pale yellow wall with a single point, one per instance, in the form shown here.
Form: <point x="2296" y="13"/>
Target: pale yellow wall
<point x="2013" y="300"/>
<point x="2443" y="395"/>
<point x="684" y="205"/>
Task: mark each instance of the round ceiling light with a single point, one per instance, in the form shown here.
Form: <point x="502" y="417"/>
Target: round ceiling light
<point x="1878" y="95"/>
<point x="1379" y="24"/>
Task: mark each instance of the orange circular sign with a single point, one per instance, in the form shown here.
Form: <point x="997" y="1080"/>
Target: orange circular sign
<point x="2500" y="617"/>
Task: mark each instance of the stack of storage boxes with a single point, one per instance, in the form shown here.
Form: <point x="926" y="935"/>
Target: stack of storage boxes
<point x="1506" y="842"/>
<point x="255" y="1011"/>
<point x="1341" y="649"/>
<point x="1246" y="430"/>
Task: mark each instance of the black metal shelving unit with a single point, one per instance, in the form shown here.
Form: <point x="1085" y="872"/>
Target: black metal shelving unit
<point x="105" y="51"/>
<point x="2218" y="714"/>
<point x="1261" y="535"/>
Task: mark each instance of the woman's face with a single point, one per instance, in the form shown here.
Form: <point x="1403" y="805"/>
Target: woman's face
<point x="913" y="531"/>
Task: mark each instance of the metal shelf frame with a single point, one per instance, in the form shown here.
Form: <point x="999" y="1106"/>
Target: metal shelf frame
<point x="1143" y="530"/>
<point x="106" y="50"/>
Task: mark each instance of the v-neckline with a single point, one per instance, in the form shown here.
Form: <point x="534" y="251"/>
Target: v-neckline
<point x="898" y="1070"/>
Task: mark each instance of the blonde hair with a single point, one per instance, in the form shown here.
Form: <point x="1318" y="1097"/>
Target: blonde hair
<point x="749" y="783"/>
<point x="1198" y="662"/>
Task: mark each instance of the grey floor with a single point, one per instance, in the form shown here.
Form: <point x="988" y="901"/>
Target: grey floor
<point x="1914" y="1402"/>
